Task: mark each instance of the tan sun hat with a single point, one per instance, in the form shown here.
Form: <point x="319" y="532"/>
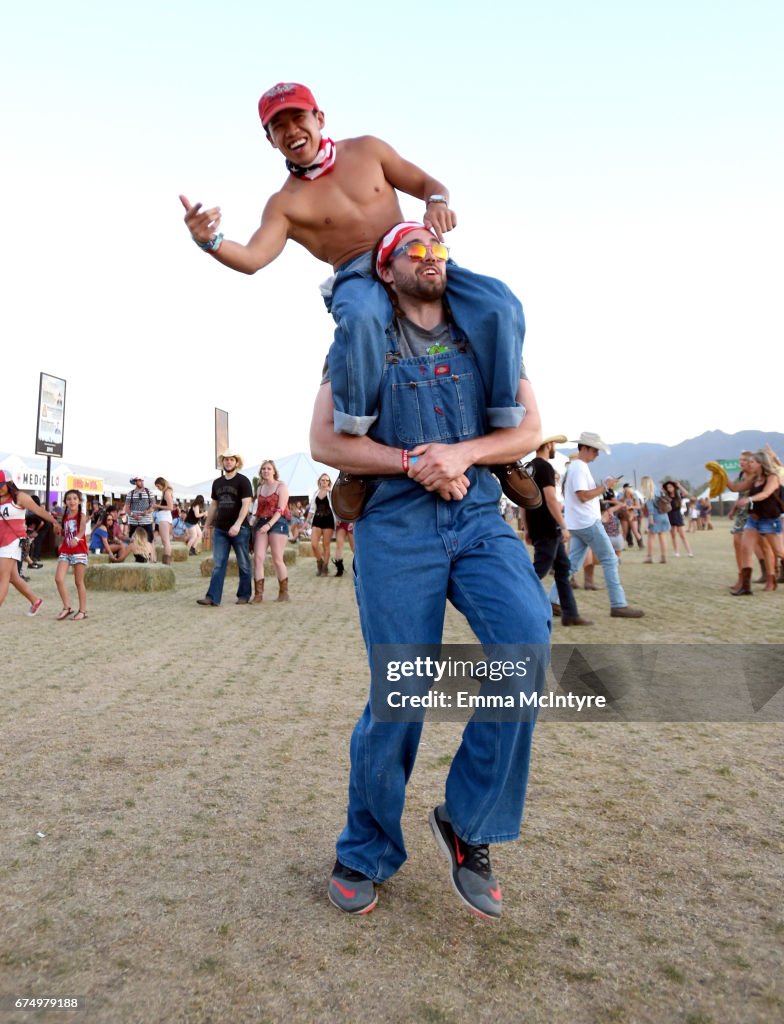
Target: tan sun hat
<point x="230" y="453"/>
<point x="592" y="441"/>
<point x="554" y="439"/>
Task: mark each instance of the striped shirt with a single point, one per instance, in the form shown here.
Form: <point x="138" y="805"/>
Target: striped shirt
<point x="140" y="511"/>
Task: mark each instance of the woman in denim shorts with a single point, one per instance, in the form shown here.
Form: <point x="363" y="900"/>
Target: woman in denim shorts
<point x="763" y="526"/>
<point x="271" y="530"/>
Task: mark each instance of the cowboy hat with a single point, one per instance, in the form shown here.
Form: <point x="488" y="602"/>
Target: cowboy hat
<point x="592" y="441"/>
<point x="554" y="439"/>
<point x="230" y="453"/>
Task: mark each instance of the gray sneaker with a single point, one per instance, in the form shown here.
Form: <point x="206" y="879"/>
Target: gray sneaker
<point x="351" y="891"/>
<point x="472" y="876"/>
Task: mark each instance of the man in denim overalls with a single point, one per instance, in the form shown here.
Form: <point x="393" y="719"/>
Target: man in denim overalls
<point x="430" y="533"/>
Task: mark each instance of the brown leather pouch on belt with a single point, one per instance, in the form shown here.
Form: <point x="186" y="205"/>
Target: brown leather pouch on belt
<point x="349" y="494"/>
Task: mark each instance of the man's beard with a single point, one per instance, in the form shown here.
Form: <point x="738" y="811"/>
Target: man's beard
<point x="417" y="287"/>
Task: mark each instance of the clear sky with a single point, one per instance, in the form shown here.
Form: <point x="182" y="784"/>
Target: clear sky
<point x="619" y="164"/>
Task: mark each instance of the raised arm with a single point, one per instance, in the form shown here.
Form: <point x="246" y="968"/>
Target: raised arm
<point x="265" y="244"/>
<point x="408" y="178"/>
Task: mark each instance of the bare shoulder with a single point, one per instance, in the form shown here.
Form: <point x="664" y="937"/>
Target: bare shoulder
<point x="365" y="144"/>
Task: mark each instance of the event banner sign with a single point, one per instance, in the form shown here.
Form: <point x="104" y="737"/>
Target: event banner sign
<point x="51" y="416"/>
<point x="731" y="465"/>
<point x="85" y="484"/>
<point x="221" y="434"/>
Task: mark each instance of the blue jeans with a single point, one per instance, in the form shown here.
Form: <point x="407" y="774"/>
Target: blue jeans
<point x="415" y="552"/>
<point x="483" y="308"/>
<point x="222" y="543"/>
<point x="550" y="553"/>
<point x="595" y="538"/>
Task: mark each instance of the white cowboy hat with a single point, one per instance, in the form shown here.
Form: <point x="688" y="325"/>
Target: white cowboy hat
<point x="592" y="441"/>
<point x="230" y="453"/>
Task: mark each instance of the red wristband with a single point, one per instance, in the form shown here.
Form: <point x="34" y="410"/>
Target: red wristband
<point x="404" y="459"/>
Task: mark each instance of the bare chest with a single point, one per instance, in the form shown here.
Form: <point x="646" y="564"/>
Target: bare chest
<point x="344" y="213"/>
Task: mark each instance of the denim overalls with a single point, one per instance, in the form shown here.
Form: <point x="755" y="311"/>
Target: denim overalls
<point x="415" y="551"/>
<point x="484" y="308"/>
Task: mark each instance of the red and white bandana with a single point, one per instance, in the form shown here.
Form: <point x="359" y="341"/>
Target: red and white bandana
<point x="393" y="238"/>
<point x="323" y="164"/>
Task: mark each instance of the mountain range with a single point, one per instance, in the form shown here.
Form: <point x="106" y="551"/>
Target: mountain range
<point x="684" y="461"/>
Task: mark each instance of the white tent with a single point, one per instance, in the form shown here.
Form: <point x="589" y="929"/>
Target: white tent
<point x="726" y="496"/>
<point x="29" y="474"/>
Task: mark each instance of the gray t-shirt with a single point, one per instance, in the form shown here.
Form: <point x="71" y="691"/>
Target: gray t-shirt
<point x="414" y="341"/>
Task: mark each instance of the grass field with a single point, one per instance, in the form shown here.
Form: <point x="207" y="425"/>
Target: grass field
<point x="173" y="779"/>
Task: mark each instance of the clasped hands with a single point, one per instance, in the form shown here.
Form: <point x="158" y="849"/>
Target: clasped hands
<point x="441" y="468"/>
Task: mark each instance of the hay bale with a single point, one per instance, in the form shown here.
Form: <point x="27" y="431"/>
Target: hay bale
<point x="100" y="558"/>
<point x="135" y="577"/>
<point x="304" y="550"/>
<point x="208" y="564"/>
<point x="179" y="552"/>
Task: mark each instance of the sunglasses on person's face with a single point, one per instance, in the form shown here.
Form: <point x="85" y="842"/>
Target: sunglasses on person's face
<point x="418" y="250"/>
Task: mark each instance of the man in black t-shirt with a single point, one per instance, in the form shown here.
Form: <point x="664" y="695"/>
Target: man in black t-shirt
<point x="227" y="517"/>
<point x="547" y="531"/>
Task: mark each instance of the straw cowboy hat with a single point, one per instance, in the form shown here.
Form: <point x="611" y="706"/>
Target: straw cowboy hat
<point x="554" y="439"/>
<point x="592" y="441"/>
<point x="230" y="453"/>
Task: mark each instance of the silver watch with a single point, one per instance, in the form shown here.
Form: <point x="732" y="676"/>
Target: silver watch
<point x="437" y="198"/>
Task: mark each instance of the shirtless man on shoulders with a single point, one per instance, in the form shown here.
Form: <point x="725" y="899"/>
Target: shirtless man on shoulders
<point x="355" y="201"/>
<point x="338" y="199"/>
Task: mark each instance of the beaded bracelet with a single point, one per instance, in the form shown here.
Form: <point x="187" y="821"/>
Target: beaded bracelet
<point x="404" y="459"/>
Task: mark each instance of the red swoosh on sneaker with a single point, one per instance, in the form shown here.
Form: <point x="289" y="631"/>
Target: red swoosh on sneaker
<point x="496" y="894"/>
<point x="459" y="857"/>
<point x="348" y="893"/>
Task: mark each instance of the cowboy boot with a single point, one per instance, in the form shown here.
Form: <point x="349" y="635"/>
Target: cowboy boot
<point x="763" y="576"/>
<point x="770" y="582"/>
<point x="258" y="586"/>
<point x="167" y="559"/>
<point x="324" y="570"/>
<point x="738" y="582"/>
<point x="339" y="569"/>
<point x="319" y="566"/>
<point x="781" y="571"/>
<point x="283" y="590"/>
<point x="745" y="584"/>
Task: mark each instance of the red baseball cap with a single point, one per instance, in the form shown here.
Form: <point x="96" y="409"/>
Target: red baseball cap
<point x="285" y="96"/>
<point x="5" y="477"/>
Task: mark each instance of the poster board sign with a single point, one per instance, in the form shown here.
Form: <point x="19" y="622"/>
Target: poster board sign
<point x="85" y="484"/>
<point x="221" y="434"/>
<point x="51" y="416"/>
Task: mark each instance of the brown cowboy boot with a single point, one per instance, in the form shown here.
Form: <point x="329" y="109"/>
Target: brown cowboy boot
<point x="167" y="559"/>
<point x="738" y="582"/>
<point x="258" y="586"/>
<point x="781" y="571"/>
<point x="319" y="566"/>
<point x="283" y="590"/>
<point x="745" y="584"/>
<point x="763" y="576"/>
